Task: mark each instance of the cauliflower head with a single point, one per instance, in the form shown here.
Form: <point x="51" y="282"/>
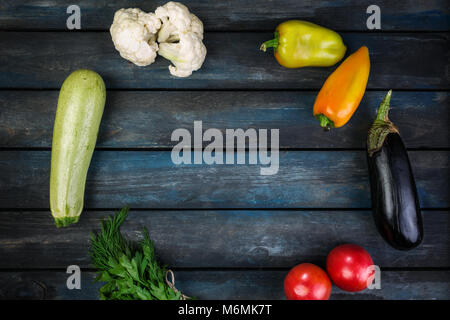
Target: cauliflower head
<point x="176" y="18"/>
<point x="180" y="39"/>
<point x="134" y="33"/>
<point x="187" y="55"/>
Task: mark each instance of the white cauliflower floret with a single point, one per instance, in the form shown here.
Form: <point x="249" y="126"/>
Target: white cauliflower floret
<point x="187" y="55"/>
<point x="134" y="33"/>
<point x="176" y="18"/>
<point x="180" y="38"/>
<point x="179" y="33"/>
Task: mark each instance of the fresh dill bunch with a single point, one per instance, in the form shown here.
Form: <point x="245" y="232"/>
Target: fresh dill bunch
<point x="130" y="272"/>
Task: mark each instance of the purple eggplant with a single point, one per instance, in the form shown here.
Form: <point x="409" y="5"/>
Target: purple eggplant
<point x="395" y="201"/>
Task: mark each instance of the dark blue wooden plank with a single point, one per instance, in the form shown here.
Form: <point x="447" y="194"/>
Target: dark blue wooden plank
<point x="261" y="285"/>
<point x="45" y="59"/>
<point x="220" y="239"/>
<point x="237" y="14"/>
<point x="312" y="179"/>
<point x="228" y="285"/>
<point x="136" y="119"/>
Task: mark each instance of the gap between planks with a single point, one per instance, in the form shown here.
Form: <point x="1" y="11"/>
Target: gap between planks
<point x="169" y="149"/>
<point x="345" y="31"/>
<point x="227" y="269"/>
<point x="442" y="210"/>
<point x="226" y="89"/>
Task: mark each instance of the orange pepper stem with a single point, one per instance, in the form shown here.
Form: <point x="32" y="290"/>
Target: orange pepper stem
<point x="325" y="123"/>
<point x="270" y="43"/>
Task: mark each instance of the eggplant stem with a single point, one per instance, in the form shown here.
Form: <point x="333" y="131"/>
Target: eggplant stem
<point x="383" y="110"/>
<point x="381" y="127"/>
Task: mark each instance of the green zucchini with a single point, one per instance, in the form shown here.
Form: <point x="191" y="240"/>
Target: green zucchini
<point x="79" y="112"/>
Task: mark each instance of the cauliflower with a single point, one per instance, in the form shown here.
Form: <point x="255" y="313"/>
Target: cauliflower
<point x="179" y="33"/>
<point x="187" y="55"/>
<point x="134" y="33"/>
<point x="176" y="18"/>
<point x="180" y="39"/>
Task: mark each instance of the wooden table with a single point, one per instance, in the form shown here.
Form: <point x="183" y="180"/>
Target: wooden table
<point x="227" y="231"/>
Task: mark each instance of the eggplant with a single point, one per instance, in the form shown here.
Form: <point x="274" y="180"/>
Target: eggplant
<point x="395" y="202"/>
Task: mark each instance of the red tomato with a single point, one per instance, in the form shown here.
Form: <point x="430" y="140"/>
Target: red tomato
<point x="307" y="282"/>
<point x="348" y="267"/>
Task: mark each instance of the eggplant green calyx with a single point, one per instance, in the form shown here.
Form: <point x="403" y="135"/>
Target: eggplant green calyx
<point x="270" y="43"/>
<point x="381" y="127"/>
<point x="325" y="123"/>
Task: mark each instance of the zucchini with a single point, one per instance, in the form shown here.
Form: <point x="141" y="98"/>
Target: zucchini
<point x="394" y="195"/>
<point x="79" y="112"/>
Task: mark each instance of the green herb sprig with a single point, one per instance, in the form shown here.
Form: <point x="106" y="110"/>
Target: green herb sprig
<point x="130" y="272"/>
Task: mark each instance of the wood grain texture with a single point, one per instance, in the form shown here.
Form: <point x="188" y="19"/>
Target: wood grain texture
<point x="220" y="239"/>
<point x="398" y="61"/>
<point x="138" y="119"/>
<point x="149" y="179"/>
<point x="228" y="285"/>
<point x="238" y="15"/>
<point x="243" y="252"/>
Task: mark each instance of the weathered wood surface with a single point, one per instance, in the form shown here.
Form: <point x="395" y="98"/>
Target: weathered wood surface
<point x="227" y="285"/>
<point x="236" y="15"/>
<point x="138" y="119"/>
<point x="414" y="64"/>
<point x="220" y="239"/>
<point x="234" y="61"/>
<point x="149" y="179"/>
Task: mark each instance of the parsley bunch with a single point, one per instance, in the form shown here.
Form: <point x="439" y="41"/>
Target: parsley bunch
<point x="130" y="272"/>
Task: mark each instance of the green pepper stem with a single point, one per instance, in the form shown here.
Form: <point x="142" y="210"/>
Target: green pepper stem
<point x="325" y="123"/>
<point x="270" y="43"/>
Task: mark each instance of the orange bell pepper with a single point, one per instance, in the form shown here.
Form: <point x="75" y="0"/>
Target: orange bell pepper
<point x="343" y="90"/>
